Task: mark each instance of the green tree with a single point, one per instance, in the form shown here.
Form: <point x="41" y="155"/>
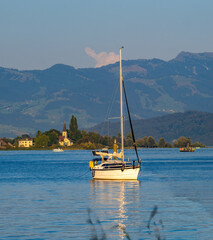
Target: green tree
<point x="168" y="145"/>
<point x="128" y="140"/>
<point x="73" y="124"/>
<point x="151" y="142"/>
<point x="84" y="137"/>
<point x="95" y="137"/>
<point x="183" y="142"/>
<point x="38" y="133"/>
<point x="94" y="140"/>
<point x="197" y="144"/>
<point x="139" y="142"/>
<point x="145" y="141"/>
<point x="142" y="142"/>
<point x="52" y="130"/>
<point x="53" y="136"/>
<point x="25" y="136"/>
<point x="106" y="140"/>
<point x="41" y="140"/>
<point x="73" y="132"/>
<point x="161" y="143"/>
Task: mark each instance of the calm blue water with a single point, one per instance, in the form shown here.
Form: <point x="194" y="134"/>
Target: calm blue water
<point x="46" y="195"/>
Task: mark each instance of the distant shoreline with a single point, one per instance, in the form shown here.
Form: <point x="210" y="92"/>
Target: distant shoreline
<point x="80" y="149"/>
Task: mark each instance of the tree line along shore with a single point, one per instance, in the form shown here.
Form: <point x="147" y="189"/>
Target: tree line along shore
<point x="81" y="139"/>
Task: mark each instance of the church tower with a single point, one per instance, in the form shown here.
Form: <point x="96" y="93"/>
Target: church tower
<point x="64" y="141"/>
<point x="64" y="132"/>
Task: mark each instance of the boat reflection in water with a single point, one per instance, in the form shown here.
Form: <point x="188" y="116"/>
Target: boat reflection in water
<point x="114" y="207"/>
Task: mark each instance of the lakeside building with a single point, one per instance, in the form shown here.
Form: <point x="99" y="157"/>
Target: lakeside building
<point x="63" y="140"/>
<point x="25" y="142"/>
<point x="4" y="144"/>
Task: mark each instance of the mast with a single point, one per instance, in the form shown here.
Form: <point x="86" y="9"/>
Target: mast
<point x="121" y="107"/>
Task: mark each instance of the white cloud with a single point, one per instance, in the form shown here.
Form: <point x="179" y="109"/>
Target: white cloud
<point x="102" y="58"/>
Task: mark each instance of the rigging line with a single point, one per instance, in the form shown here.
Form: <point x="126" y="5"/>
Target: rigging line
<point x="109" y="110"/>
<point x="130" y="121"/>
<point x="113" y="99"/>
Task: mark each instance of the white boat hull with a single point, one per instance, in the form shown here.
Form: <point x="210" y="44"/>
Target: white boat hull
<point x="58" y="150"/>
<point x="127" y="174"/>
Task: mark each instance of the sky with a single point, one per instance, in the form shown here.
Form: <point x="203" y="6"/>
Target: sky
<point x="36" y="34"/>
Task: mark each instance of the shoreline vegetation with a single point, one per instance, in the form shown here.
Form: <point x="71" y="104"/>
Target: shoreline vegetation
<point x="83" y="140"/>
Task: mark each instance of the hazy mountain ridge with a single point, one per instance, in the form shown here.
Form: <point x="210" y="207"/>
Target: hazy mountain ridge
<point x="196" y="125"/>
<point x="44" y="99"/>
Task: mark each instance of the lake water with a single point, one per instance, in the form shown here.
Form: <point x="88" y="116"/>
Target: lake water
<point x="46" y="195"/>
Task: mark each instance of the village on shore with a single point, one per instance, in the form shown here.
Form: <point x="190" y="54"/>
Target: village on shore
<point x="73" y="138"/>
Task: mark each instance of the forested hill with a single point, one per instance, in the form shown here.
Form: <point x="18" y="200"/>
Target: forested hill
<point x="44" y="99"/>
<point x="196" y="125"/>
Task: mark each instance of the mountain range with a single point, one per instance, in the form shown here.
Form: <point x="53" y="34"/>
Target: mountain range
<point x="44" y="99"/>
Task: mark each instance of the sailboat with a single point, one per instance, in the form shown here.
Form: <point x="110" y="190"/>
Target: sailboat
<point x="112" y="166"/>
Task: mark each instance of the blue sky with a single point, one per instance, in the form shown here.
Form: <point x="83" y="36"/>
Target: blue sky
<point x="36" y="34"/>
